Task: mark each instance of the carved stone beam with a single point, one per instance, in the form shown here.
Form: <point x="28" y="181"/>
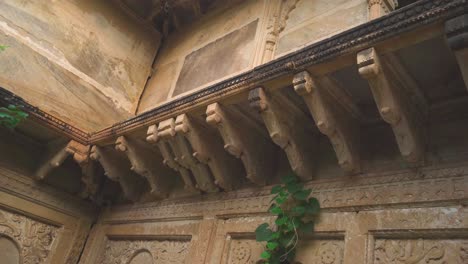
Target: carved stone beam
<point x="91" y="179"/>
<point x="207" y="148"/>
<point x="116" y="168"/>
<point x="378" y="8"/>
<point x="55" y="156"/>
<point x="289" y="128"/>
<point x="148" y="163"/>
<point x="243" y="139"/>
<point x="456" y="30"/>
<point x="169" y="158"/>
<point x="184" y="153"/>
<point x="393" y="104"/>
<point x="332" y="115"/>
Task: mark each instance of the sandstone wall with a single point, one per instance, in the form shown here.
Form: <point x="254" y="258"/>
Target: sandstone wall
<point x="85" y="62"/>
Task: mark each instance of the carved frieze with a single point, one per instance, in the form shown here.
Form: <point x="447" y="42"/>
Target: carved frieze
<point x="245" y="140"/>
<point x="335" y="116"/>
<point x="34" y="238"/>
<point x="207" y="148"/>
<point x="378" y="8"/>
<point x="456" y="30"/>
<point x="148" y="163"/>
<point x="436" y="251"/>
<point x="289" y="128"/>
<point x="394" y="104"/>
<point x="184" y="153"/>
<point x="163" y="252"/>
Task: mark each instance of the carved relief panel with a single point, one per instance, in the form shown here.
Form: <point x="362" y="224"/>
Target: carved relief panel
<point x="33" y="239"/>
<point x="146" y="251"/>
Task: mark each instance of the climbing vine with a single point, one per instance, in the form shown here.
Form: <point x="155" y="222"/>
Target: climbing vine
<point x="3" y="47"/>
<point x="11" y="116"/>
<point x="295" y="213"/>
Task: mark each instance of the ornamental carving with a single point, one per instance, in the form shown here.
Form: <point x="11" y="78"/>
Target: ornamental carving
<point x="162" y="252"/>
<point x="243" y="251"/>
<point x="415" y="251"/>
<point x="33" y="238"/>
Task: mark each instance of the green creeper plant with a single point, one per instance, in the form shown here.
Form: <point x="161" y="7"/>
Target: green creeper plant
<point x="11" y="116"/>
<point x="3" y="47"/>
<point x="295" y="213"/>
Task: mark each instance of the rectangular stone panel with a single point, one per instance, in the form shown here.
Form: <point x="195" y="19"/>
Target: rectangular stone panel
<point x="222" y="57"/>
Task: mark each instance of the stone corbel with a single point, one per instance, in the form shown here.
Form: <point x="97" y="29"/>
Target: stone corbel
<point x="393" y="104"/>
<point x="169" y="158"/>
<point x="245" y="140"/>
<point x="117" y="168"/>
<point x="289" y="128"/>
<point x="332" y="116"/>
<point x="148" y="163"/>
<point x="55" y="156"/>
<point x="456" y="30"/>
<point x="378" y="8"/>
<point x="183" y="151"/>
<point x="91" y="179"/>
<point x="207" y="148"/>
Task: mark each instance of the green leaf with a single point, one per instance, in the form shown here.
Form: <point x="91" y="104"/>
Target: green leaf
<point x="289" y="178"/>
<point x="313" y="206"/>
<point x="276" y="189"/>
<point x="307" y="227"/>
<point x="265" y="255"/>
<point x="294" y="187"/>
<point x="302" y="194"/>
<point x="263" y="233"/>
<point x="276" y="210"/>
<point x="281" y="199"/>
<point x="275" y="235"/>
<point x="298" y="210"/>
<point x="286" y="239"/>
<point x="3" y="47"/>
<point x="272" y="245"/>
<point x="281" y="221"/>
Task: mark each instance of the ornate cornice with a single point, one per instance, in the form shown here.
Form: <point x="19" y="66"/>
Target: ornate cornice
<point x="421" y="13"/>
<point x="427" y="187"/>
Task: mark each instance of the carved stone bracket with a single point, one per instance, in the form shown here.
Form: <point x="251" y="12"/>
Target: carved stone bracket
<point x="393" y="104"/>
<point x="91" y="179"/>
<point x="117" y="168"/>
<point x="169" y="158"/>
<point x="289" y="127"/>
<point x="185" y="156"/>
<point x="332" y="116"/>
<point x="55" y="155"/>
<point x="244" y="140"/>
<point x="378" y="8"/>
<point x="148" y="163"/>
<point x="456" y="30"/>
<point x="207" y="148"/>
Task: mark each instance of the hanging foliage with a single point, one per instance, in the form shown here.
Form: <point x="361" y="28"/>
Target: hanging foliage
<point x="295" y="213"/>
<point x="11" y="116"/>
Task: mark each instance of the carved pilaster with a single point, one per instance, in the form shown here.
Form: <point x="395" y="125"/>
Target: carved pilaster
<point x="56" y="154"/>
<point x="117" y="168"/>
<point x="245" y="140"/>
<point x="89" y="176"/>
<point x="184" y="156"/>
<point x="289" y="128"/>
<point x="456" y="30"/>
<point x="148" y="163"/>
<point x="332" y="117"/>
<point x="207" y="148"/>
<point x="393" y="104"/>
<point x="169" y="158"/>
<point x="378" y="8"/>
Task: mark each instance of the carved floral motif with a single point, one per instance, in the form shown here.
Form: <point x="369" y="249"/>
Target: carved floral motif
<point x="34" y="238"/>
<point x="415" y="251"/>
<point x="163" y="252"/>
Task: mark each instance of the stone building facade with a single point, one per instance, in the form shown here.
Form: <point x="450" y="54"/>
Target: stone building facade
<point x="157" y="128"/>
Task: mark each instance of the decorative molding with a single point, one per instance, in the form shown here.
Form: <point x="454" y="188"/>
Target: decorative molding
<point x="245" y="140"/>
<point x="34" y="239"/>
<point x="207" y="147"/>
<point x="289" y="128"/>
<point x="431" y="186"/>
<point x="378" y="8"/>
<point x="148" y="163"/>
<point x="332" y="117"/>
<point x="394" y="105"/>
